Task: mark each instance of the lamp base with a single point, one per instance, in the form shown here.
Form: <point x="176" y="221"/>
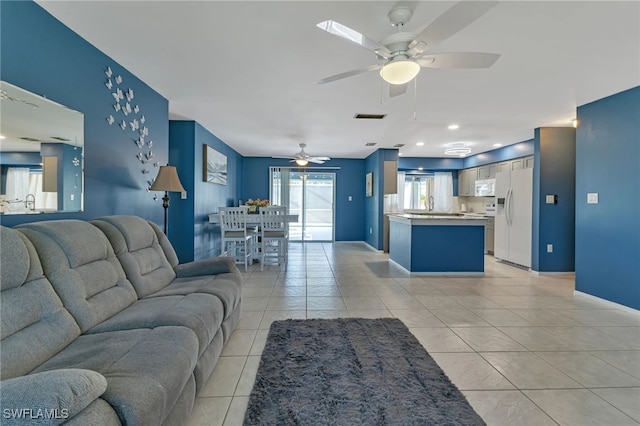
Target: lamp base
<point x="165" y="205"/>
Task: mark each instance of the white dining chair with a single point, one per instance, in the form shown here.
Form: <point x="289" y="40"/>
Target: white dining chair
<point x="274" y="235"/>
<point x="237" y="239"/>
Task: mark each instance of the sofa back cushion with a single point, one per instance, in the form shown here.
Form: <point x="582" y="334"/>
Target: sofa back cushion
<point x="34" y="326"/>
<point x="138" y="247"/>
<point x="79" y="261"/>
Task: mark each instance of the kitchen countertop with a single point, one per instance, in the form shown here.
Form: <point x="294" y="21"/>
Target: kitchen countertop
<point x="437" y="219"/>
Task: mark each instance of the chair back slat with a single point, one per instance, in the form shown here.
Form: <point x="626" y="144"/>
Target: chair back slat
<point x="273" y="218"/>
<point x="233" y="218"/>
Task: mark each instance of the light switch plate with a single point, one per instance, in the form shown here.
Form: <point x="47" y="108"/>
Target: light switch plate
<point x="592" y="198"/>
<point x="183" y="195"/>
<point x="550" y="199"/>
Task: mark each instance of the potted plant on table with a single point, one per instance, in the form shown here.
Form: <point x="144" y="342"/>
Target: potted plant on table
<point x="254" y="205"/>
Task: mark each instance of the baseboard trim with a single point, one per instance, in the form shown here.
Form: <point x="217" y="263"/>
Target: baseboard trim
<point x="608" y="302"/>
<point x="437" y="274"/>
<point x="553" y="274"/>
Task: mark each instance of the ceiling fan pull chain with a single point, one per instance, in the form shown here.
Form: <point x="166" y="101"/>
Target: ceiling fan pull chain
<point x="415" y="98"/>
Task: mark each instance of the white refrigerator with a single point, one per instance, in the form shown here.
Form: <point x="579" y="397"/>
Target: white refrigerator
<point x="514" y="216"/>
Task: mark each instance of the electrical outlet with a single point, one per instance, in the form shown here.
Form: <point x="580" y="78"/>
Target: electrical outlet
<point x="549" y="248"/>
<point x="592" y="198"/>
<point x="73" y="197"/>
<point x="370" y="230"/>
<point x="350" y="198"/>
<point x="183" y="195"/>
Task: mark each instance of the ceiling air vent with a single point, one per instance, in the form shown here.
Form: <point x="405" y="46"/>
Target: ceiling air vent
<point x="369" y="116"/>
<point x="398" y="145"/>
<point x="60" y="139"/>
<point x="371" y="144"/>
<point x="27" y="138"/>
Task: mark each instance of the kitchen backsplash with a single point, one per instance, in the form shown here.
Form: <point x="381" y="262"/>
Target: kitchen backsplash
<point x="471" y="204"/>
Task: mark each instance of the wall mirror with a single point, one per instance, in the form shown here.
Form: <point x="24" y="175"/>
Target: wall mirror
<point x="41" y="154"/>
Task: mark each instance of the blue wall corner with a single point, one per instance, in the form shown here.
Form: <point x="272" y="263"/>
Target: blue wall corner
<point x="190" y="232"/>
<point x="608" y="233"/>
<point x="554" y="174"/>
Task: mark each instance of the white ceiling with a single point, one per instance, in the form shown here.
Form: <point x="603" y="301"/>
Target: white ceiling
<point x="245" y="70"/>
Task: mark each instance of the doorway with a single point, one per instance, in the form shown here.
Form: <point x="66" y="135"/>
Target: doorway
<point x="311" y="195"/>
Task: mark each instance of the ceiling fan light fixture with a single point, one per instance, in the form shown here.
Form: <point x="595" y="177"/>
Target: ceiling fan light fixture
<point x="400" y="71"/>
<point x="302" y="162"/>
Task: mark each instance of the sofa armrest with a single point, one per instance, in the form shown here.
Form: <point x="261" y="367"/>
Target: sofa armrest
<point x="51" y="397"/>
<point x="213" y="266"/>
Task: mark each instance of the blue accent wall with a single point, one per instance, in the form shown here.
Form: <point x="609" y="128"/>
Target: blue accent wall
<point x="192" y="235"/>
<point x="430" y="164"/>
<point x="51" y="60"/>
<point x="350" y="181"/>
<point x="554" y="174"/>
<point x="509" y="152"/>
<point x="608" y="233"/>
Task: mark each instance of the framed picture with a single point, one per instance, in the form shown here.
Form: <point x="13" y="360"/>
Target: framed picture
<point x="215" y="166"/>
<point x="369" y="187"/>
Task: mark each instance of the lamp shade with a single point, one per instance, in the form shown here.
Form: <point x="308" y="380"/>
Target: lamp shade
<point x="167" y="180"/>
<point x="302" y="162"/>
<point x="399" y="71"/>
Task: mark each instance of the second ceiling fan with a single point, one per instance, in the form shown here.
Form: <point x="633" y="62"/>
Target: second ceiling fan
<point x="406" y="53"/>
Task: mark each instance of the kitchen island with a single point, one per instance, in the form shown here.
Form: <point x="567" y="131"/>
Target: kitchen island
<point x="435" y="244"/>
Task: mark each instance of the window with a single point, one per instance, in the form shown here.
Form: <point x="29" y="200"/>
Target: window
<point x="418" y="192"/>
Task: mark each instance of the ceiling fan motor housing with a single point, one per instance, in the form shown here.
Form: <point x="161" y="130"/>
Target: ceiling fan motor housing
<point x="399" y="16"/>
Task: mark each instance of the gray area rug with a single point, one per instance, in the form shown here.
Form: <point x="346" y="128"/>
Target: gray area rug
<point x="352" y="372"/>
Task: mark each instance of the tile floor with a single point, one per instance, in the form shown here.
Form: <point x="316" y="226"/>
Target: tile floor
<point x="523" y="348"/>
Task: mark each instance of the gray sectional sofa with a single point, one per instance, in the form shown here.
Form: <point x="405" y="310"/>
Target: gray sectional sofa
<point x="102" y="326"/>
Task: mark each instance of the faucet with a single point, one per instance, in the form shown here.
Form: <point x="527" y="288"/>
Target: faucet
<point x="30" y="202"/>
<point x="431" y="202"/>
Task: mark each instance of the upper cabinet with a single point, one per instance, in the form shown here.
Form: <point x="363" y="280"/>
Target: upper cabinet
<point x="488" y="171"/>
<point x="517" y="164"/>
<point x="467" y="177"/>
<point x="390" y="177"/>
<point x="467" y="182"/>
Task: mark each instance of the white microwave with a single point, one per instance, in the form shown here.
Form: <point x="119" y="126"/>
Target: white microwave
<point x="485" y="188"/>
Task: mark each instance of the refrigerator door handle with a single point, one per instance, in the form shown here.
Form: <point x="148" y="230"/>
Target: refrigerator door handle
<point x="507" y="207"/>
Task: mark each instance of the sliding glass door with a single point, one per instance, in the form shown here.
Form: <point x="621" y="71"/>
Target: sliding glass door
<point x="310" y="194"/>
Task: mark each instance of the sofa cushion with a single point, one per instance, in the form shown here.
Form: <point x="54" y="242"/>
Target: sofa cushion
<point x="34" y="325"/>
<point x="226" y="290"/>
<point x="79" y="261"/>
<point x="62" y="393"/>
<point x="146" y="369"/>
<point x="138" y="249"/>
<point x="201" y="313"/>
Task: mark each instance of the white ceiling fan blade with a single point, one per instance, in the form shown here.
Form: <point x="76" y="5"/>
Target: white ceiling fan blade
<point x="322" y="158"/>
<point x="458" y="60"/>
<point x="349" y="34"/>
<point x="287" y="157"/>
<point x="453" y="20"/>
<point x="315" y="161"/>
<point x="397" y="89"/>
<point x="348" y="74"/>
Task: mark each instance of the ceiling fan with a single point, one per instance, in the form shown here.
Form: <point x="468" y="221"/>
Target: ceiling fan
<point x="405" y="53"/>
<point x="302" y="158"/>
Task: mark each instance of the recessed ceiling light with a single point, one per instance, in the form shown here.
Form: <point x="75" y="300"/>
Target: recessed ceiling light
<point x="453" y="127"/>
<point x="420" y="168"/>
<point x="497" y="144"/>
<point x="1" y="137"/>
<point x="419" y="143"/>
<point x="400" y="153"/>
